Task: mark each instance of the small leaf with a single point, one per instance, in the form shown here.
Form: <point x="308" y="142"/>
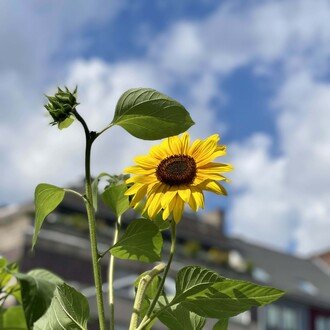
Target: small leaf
<point x="150" y="115"/>
<point x="65" y="123"/>
<point x="191" y="280"/>
<point x="46" y="198"/>
<point x="114" y="197"/>
<point x="37" y="290"/>
<point x="95" y="190"/>
<point x="141" y="241"/>
<point x="68" y="310"/>
<point x="12" y="319"/>
<point x="221" y="325"/>
<point x="179" y="318"/>
<point x="228" y="298"/>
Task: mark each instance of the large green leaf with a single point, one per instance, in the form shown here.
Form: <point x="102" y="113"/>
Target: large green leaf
<point x="221" y="325"/>
<point x="37" y="290"/>
<point x="150" y="115"/>
<point x="68" y="310"/>
<point x="193" y="279"/>
<point x="179" y="318"/>
<point x="141" y="241"/>
<point x="46" y="198"/>
<point x="12" y="319"/>
<point x="114" y="197"/>
<point x="227" y="298"/>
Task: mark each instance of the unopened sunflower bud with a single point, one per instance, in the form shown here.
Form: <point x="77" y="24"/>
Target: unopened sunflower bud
<point x="61" y="106"/>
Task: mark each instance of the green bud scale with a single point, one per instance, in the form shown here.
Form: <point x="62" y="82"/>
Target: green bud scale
<point x="61" y="106"/>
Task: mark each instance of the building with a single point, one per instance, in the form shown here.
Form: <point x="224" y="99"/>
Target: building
<point x="63" y="247"/>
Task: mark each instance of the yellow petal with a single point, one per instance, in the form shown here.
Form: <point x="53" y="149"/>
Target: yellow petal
<point x="134" y="189"/>
<point x="168" y="196"/>
<point x="174" y="144"/>
<point x="216" y="167"/>
<point x="198" y="197"/>
<point x="139" y="170"/>
<point x="147" y="179"/>
<point x="147" y="162"/>
<point x="139" y="195"/>
<point x="178" y="209"/>
<point x="215" y="187"/>
<point x="192" y="203"/>
<point x="185" y="141"/>
<point x="184" y="192"/>
<point x="158" y="152"/>
<point x="206" y="148"/>
<point x="154" y="205"/>
<point x="204" y="175"/>
<point x="193" y="147"/>
<point x="166" y="213"/>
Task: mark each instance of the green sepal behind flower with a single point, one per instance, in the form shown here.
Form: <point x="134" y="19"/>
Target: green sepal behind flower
<point x="61" y="106"/>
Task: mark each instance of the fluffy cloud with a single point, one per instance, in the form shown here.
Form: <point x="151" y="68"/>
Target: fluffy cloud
<point x="282" y="187"/>
<point x="281" y="199"/>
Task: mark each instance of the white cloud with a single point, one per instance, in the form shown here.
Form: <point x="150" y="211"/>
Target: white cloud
<point x="280" y="199"/>
<point x="285" y="199"/>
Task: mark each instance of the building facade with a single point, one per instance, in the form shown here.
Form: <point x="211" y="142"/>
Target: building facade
<point x="63" y="247"/>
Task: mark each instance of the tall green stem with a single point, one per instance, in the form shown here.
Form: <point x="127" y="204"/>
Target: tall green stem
<point x="146" y="320"/>
<point x="111" y="276"/>
<point x="92" y="223"/>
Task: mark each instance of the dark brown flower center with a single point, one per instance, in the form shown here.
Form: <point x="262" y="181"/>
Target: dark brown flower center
<point x="177" y="169"/>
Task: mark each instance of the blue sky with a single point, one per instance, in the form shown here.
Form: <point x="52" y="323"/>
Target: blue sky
<point x="256" y="72"/>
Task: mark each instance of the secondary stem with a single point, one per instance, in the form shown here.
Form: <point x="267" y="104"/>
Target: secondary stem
<point x="146" y="320"/>
<point x="111" y="277"/>
<point x="141" y="290"/>
<point x="92" y="223"/>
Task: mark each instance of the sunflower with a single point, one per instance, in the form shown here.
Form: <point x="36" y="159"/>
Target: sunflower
<point x="176" y="172"/>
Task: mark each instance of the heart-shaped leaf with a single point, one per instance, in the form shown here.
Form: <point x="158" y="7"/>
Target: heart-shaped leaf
<point x="114" y="197"/>
<point x="141" y="241"/>
<point x="150" y="115"/>
<point x="46" y="198"/>
<point x="228" y="298"/>
<point x="37" y="291"/>
<point x="68" y="310"/>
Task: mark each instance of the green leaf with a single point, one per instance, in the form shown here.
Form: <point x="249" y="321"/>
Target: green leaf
<point x="114" y="197"/>
<point x="191" y="280"/>
<point x="227" y="298"/>
<point x="68" y="310"/>
<point x="95" y="190"/>
<point x="3" y="262"/>
<point x="151" y="115"/>
<point x="160" y="223"/>
<point x="179" y="318"/>
<point x="37" y="290"/>
<point x="141" y="241"/>
<point x="221" y="325"/>
<point x="46" y="198"/>
<point x="12" y="319"/>
<point x="65" y="123"/>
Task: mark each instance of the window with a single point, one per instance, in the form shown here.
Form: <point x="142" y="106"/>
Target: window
<point x="307" y="287"/>
<point x="322" y="323"/>
<point x="282" y="318"/>
<point x="261" y="275"/>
